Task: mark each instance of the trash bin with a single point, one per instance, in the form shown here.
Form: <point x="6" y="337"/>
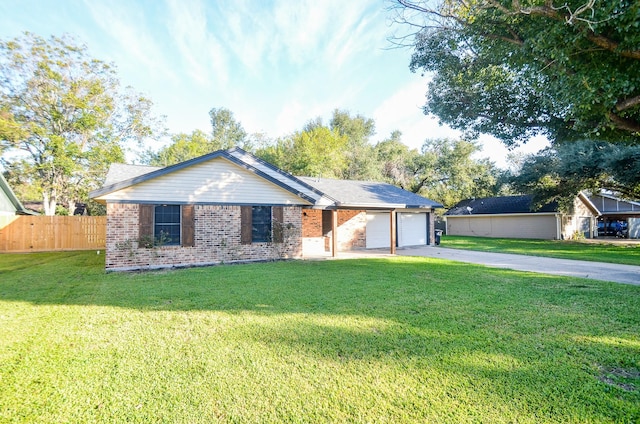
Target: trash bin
<point x="438" y="235"/>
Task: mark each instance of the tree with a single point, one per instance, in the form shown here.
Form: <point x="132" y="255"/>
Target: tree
<point x="183" y="147"/>
<point x="360" y="154"/>
<point x="226" y="133"/>
<point x="448" y="172"/>
<point x="66" y="114"/>
<point x="444" y="170"/>
<point x="316" y="151"/>
<point x="567" y="69"/>
<point x="561" y="171"/>
<point x="397" y="161"/>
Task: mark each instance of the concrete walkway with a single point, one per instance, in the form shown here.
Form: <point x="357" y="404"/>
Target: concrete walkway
<point x="626" y="274"/>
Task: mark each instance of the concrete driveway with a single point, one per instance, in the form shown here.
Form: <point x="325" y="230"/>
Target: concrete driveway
<point x="626" y="274"/>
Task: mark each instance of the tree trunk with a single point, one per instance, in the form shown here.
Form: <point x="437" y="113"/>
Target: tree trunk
<point x="72" y="207"/>
<point x="49" y="203"/>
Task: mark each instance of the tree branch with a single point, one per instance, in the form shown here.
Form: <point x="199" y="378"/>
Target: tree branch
<point x="623" y="123"/>
<point x="611" y="45"/>
<point x="627" y="103"/>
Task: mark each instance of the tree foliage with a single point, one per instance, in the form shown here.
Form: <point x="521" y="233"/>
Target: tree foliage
<point x="226" y="133"/>
<point x="316" y="151"/>
<point x="445" y="170"/>
<point x="66" y="114"/>
<point x="512" y="68"/>
<point x="561" y="171"/>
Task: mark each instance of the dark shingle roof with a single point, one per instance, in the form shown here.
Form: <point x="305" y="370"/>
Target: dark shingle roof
<point x="121" y="172"/>
<point x="349" y="193"/>
<point x="499" y="205"/>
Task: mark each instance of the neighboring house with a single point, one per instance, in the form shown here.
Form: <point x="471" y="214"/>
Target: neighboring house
<point x="512" y="217"/>
<point x="9" y="203"/>
<point x="230" y="206"/>
<point x="613" y="211"/>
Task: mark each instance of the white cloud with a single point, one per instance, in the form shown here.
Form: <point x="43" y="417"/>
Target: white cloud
<point x="403" y="111"/>
<point x="125" y="24"/>
<point x="203" y="55"/>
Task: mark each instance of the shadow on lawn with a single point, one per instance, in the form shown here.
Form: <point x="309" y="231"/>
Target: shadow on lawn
<point x="507" y="334"/>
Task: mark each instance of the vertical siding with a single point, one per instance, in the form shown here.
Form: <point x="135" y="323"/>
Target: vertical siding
<point x="49" y="233"/>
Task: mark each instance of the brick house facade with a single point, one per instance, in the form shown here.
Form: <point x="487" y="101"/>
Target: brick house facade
<point x="230" y="206"/>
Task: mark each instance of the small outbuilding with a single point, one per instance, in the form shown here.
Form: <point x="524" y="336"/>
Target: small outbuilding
<point x="515" y="217"/>
<point x="230" y="206"/>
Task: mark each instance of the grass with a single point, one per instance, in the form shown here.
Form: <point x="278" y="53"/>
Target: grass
<point x="369" y="340"/>
<point x="628" y="254"/>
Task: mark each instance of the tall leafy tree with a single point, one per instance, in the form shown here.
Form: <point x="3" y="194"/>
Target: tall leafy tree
<point x="67" y="115"/>
<point x="444" y="170"/>
<point x="567" y="69"/>
<point x="182" y="147"/>
<point x="448" y="172"/>
<point x="226" y="133"/>
<point x="360" y="155"/>
<point x="559" y="172"/>
<point x="316" y="151"/>
<point x="397" y="161"/>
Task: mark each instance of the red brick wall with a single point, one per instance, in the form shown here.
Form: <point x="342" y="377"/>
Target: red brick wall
<point x="351" y="227"/>
<point x="217" y="239"/>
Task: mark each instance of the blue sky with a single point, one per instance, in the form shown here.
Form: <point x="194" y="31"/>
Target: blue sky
<point x="275" y="64"/>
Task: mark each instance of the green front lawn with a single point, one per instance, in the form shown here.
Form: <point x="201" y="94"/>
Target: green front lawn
<point x="370" y="340"/>
<point x="599" y="251"/>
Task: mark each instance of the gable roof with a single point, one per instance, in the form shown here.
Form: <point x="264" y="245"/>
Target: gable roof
<point x="610" y="205"/>
<point x="499" y="205"/>
<point x="323" y="193"/>
<point x="124" y="176"/>
<point x="121" y="172"/>
<point x="369" y="194"/>
<point x="12" y="198"/>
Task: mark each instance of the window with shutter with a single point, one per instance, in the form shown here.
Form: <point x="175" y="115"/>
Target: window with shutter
<point x="166" y="226"/>
<point x="256" y="223"/>
<point x="261" y="224"/>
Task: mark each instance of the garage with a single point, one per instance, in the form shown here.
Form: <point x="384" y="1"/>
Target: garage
<point x="412" y="229"/>
<point x="377" y="230"/>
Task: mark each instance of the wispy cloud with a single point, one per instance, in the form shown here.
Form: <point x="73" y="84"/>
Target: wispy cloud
<point x="124" y="23"/>
<point x="202" y="55"/>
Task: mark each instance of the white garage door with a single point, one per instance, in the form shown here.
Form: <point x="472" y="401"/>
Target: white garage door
<point x="412" y="229"/>
<point x="378" y="227"/>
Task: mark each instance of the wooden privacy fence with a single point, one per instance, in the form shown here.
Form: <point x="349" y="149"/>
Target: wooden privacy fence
<point x="25" y="233"/>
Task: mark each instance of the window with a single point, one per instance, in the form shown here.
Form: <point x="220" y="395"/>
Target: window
<point x="166" y="228"/>
<point x="175" y="222"/>
<point x="257" y="224"/>
<point x="260" y="224"/>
